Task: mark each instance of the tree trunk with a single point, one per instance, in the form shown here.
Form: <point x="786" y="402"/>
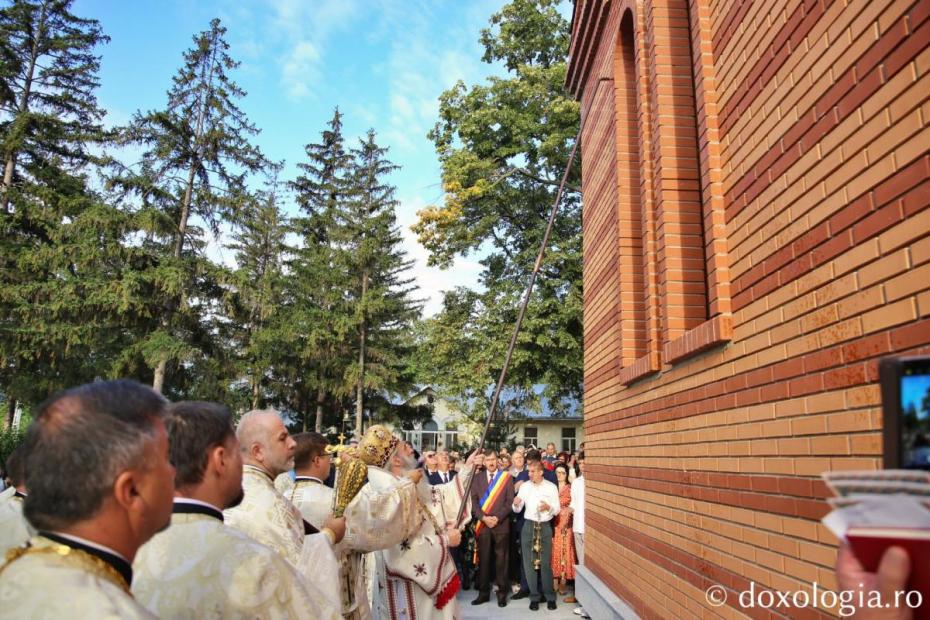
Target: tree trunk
<point x="360" y="387"/>
<point x="320" y="397"/>
<point x="10" y="163"/>
<point x="206" y="76"/>
<point x="10" y="413"/>
<point x="255" y="385"/>
<point x="159" y="381"/>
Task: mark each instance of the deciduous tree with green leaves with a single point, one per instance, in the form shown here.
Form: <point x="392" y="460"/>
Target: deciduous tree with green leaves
<point x="503" y="146"/>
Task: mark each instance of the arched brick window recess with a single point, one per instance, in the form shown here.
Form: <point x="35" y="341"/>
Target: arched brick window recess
<point x="629" y="203"/>
<point x="637" y="269"/>
<point x="681" y="71"/>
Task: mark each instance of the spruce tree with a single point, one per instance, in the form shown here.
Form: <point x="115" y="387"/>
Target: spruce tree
<point x="382" y="291"/>
<point x="259" y="243"/>
<point x="57" y="241"/>
<point x="197" y="160"/>
<point x="318" y="317"/>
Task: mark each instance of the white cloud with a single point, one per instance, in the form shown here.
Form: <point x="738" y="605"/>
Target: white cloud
<point x="300" y="69"/>
<point x="302" y="29"/>
<point x="433" y="282"/>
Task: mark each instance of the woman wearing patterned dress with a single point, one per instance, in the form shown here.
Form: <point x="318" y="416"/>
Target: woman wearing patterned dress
<point x="563" y="544"/>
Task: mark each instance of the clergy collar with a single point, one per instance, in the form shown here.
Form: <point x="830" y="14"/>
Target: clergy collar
<point x="307" y="478"/>
<point x="19" y="494"/>
<point x="111" y="557"/>
<point x="187" y="505"/>
<point x="258" y="470"/>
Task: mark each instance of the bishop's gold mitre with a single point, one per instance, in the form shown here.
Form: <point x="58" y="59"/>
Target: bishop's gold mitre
<point x="376" y="446"/>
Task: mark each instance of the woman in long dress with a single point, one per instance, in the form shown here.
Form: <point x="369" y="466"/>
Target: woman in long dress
<point x="563" y="543"/>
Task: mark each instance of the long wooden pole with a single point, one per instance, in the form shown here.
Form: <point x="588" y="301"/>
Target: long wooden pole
<point x="519" y="323"/>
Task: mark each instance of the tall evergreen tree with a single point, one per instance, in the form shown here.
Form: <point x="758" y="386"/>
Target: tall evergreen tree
<point x="198" y="157"/>
<point x="259" y="243"/>
<point x="318" y="317"/>
<point x="54" y="234"/>
<point x="382" y="289"/>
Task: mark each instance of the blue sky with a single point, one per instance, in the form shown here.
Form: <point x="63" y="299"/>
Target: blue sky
<point x="913" y="390"/>
<point x="383" y="62"/>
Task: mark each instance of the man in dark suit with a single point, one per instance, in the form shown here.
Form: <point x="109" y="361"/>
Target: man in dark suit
<point x="493" y="528"/>
<point x="444" y="466"/>
<point x="444" y="472"/>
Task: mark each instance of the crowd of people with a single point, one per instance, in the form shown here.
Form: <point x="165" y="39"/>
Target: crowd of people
<point x="499" y="548"/>
<point x="123" y="504"/>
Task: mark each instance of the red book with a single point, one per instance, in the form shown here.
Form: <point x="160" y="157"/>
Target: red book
<point x="870" y="543"/>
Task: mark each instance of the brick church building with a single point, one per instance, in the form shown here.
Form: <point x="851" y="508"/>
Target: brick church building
<point x="756" y="187"/>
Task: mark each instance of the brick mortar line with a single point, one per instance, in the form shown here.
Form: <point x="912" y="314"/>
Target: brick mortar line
<point x="686" y="565"/>
<point x="690" y="530"/>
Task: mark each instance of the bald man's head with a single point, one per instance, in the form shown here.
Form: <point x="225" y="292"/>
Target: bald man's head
<point x="265" y="442"/>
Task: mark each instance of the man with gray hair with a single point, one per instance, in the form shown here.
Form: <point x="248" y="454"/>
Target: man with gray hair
<point x="267" y="516"/>
<point x="415" y="573"/>
<point x="201" y="566"/>
<point x="100" y="485"/>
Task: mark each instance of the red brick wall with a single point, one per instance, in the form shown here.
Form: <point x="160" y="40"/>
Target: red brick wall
<point x="756" y="236"/>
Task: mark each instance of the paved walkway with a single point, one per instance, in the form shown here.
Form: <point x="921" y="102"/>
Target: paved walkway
<point x="514" y="609"/>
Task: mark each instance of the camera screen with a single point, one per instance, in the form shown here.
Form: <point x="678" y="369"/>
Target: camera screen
<point x="915" y="416"/>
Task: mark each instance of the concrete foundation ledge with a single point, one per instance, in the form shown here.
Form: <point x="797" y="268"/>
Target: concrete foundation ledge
<point x="597" y="599"/>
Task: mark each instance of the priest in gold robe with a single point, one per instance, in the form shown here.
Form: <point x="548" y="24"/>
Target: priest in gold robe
<point x="14" y="529"/>
<point x="416" y="577"/>
<point x="377" y="516"/>
<point x="200" y="567"/>
<point x="270" y="518"/>
<point x="311" y="465"/>
<point x="100" y="485"/>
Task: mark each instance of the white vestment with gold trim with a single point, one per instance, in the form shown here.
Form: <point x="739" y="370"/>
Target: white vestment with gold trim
<point x="269" y="518"/>
<point x="202" y="568"/>
<point x="45" y="585"/>
<point x="416" y="577"/>
<point x="15" y="531"/>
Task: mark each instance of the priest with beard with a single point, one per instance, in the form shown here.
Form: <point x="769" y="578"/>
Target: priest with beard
<point x="416" y="577"/>
<point x="268" y="517"/>
<point x="200" y="567"/>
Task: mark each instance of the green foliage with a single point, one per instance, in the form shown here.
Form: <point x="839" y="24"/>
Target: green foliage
<point x="347" y="305"/>
<point x="503" y="146"/>
<point x="10" y="438"/>
<point x="60" y="244"/>
<point x="195" y="166"/>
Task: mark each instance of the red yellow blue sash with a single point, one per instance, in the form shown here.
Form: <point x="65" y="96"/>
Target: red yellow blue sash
<point x="492" y="494"/>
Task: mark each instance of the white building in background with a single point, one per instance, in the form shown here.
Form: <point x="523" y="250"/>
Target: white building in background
<point x="449" y="427"/>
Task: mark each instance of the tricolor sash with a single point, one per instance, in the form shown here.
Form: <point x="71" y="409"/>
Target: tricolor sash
<point x="492" y="494"/>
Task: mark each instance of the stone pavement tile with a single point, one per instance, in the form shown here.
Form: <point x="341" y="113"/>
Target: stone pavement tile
<point x="515" y="609"/>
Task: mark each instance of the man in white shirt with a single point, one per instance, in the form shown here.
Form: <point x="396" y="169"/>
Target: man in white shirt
<point x="539" y="501"/>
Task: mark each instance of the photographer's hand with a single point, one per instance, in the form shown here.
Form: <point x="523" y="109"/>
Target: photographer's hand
<point x="891" y="577"/>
